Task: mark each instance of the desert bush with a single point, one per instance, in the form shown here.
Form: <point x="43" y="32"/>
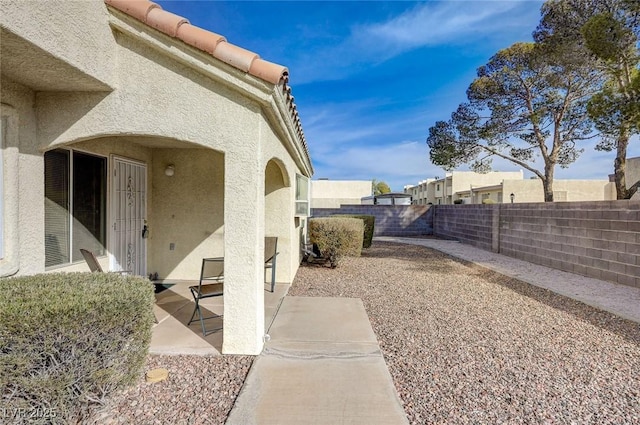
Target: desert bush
<point x="369" y="226"/>
<point x="337" y="237"/>
<point x="68" y="341"/>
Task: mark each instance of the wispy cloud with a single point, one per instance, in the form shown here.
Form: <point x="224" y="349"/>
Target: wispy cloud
<point x="436" y="23"/>
<point x="430" y="24"/>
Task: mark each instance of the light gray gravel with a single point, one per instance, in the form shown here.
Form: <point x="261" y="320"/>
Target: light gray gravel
<point x="199" y="390"/>
<point x="464" y="346"/>
<point x="467" y="345"/>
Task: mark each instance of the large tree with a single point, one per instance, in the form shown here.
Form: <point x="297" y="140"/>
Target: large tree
<point x="525" y="105"/>
<point x="605" y="34"/>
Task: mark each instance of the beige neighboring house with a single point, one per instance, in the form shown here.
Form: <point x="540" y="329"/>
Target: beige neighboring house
<point x="473" y="188"/>
<point x="422" y="193"/>
<point x="531" y="191"/>
<point x="117" y="117"/>
<point x="333" y="193"/>
<point x="456" y="185"/>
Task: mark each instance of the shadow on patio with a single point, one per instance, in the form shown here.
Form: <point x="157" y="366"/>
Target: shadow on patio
<point x="173" y="309"/>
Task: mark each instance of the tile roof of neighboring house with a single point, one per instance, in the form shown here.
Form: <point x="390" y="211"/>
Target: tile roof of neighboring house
<point x="216" y="45"/>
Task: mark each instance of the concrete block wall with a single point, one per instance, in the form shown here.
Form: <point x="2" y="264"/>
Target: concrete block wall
<point x="470" y="224"/>
<point x="599" y="239"/>
<point x="391" y="220"/>
<point x="595" y="239"/>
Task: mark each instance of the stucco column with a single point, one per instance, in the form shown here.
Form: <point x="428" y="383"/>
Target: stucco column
<point x="243" y="251"/>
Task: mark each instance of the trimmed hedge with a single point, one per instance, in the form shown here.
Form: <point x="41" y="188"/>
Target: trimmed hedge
<point x="369" y="226"/>
<point x="69" y="340"/>
<point x="337" y="237"/>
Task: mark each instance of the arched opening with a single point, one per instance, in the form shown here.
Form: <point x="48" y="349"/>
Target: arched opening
<point x="278" y="216"/>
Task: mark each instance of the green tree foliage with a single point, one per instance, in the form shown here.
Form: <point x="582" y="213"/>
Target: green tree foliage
<point x="379" y="187"/>
<point x="603" y="34"/>
<point x="525" y="105"/>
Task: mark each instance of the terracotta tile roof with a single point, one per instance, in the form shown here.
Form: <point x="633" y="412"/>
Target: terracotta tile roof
<point x="217" y="46"/>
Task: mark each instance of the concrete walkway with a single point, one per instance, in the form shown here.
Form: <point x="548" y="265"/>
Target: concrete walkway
<point x="621" y="300"/>
<point x="322" y="366"/>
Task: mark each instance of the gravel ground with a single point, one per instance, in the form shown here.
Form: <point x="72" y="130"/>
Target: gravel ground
<point x="199" y="390"/>
<point x="468" y="345"/>
<point x="463" y="345"/>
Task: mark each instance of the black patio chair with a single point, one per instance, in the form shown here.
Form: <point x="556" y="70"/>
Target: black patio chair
<point x="270" y="255"/>
<point x="211" y="285"/>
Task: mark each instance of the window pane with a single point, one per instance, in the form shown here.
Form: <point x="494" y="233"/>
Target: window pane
<point x="302" y="209"/>
<point x="302" y="188"/>
<point x="89" y="199"/>
<point x="56" y="207"/>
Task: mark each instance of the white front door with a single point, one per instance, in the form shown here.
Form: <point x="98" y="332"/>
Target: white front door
<point x="128" y="212"/>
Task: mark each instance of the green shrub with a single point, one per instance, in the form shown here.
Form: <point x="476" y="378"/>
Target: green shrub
<point x="69" y="340"/>
<point x="337" y="237"/>
<point x="488" y="201"/>
<point x="458" y="201"/>
<point x="369" y="226"/>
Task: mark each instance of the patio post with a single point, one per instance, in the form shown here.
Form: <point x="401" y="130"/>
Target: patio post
<point x="244" y="251"/>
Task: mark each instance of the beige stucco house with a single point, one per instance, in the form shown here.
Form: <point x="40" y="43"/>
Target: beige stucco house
<point x="327" y="193"/>
<point x="496" y="187"/>
<point x="455" y="185"/>
<point x="531" y="191"/>
<point x="155" y="143"/>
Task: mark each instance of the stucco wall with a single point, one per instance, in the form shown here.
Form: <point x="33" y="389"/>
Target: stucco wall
<point x="23" y="188"/>
<point x="61" y="56"/>
<point x="566" y="190"/>
<point x="462" y="180"/>
<point x="186" y="213"/>
<point x="595" y="239"/>
<point x="333" y="193"/>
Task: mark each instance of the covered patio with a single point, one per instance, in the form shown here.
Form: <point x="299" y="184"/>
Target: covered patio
<point x="174" y="307"/>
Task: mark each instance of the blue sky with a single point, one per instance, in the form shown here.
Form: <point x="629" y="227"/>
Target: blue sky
<point x="370" y="78"/>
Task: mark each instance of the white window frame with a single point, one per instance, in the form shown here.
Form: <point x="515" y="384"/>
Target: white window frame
<point x="302" y="204"/>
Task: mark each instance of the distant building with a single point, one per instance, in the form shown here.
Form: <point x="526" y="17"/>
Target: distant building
<point x="422" y="193"/>
<point x="387" y="199"/>
<point x="456" y="185"/>
<point x="632" y="174"/>
<point x="531" y="191"/>
<point x="327" y="193"/>
<point x="468" y="187"/>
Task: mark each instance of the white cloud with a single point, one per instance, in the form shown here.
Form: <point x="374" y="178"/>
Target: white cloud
<point x="435" y="23"/>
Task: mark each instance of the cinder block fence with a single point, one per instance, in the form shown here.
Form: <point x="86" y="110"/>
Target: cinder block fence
<point x="596" y="239"/>
<point x="391" y="220"/>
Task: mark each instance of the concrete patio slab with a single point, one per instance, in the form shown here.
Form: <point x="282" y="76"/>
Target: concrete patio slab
<point x="322" y="365"/>
<point x="173" y="309"/>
